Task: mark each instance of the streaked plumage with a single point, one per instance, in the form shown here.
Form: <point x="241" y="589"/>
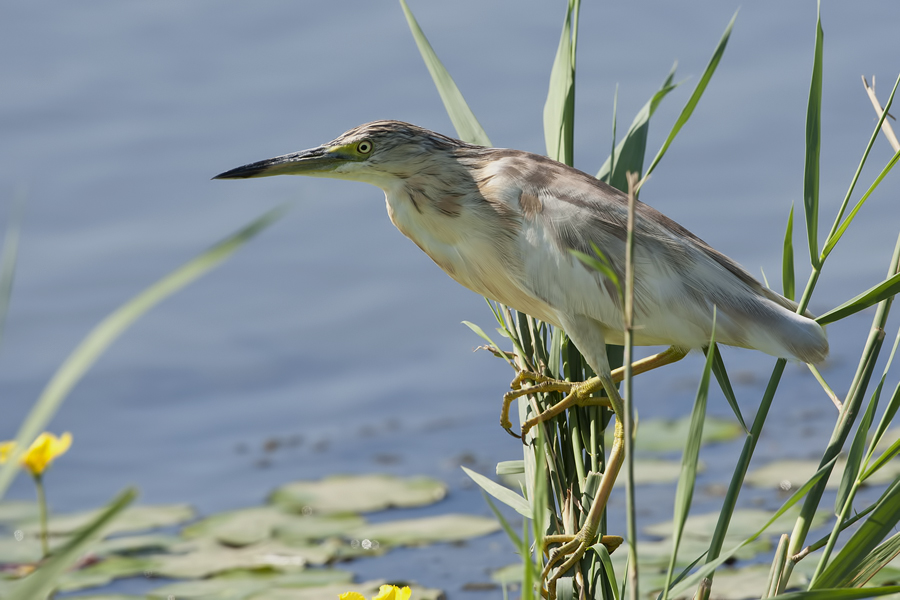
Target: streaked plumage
<point x="501" y="222"/>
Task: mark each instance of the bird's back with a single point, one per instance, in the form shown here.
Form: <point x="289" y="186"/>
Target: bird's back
<point x="678" y="277"/>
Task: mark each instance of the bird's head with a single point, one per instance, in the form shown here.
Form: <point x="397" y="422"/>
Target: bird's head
<point x="382" y="153"/>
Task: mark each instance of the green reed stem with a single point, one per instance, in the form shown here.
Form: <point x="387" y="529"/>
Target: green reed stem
<point x="42" y="506"/>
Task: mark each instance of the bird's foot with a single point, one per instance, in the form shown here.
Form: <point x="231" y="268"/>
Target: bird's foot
<point x="569" y="553"/>
<point x="576" y="393"/>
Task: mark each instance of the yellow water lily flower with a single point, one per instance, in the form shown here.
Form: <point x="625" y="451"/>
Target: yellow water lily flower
<point x="385" y="592"/>
<point x="41" y="453"/>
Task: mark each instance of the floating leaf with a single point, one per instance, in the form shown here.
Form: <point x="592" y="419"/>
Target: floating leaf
<point x="246" y="585"/>
<point x="358" y="493"/>
<point x="105" y="571"/>
<point x="426" y="530"/>
<point x="203" y="557"/>
<point x="135" y="518"/>
<point x="654" y="470"/>
<point x="744" y="523"/>
<point x="662" y="435"/>
<point x="14" y="511"/>
<point x="135" y="543"/>
<point x="791" y="473"/>
<point x="656" y="553"/>
<point x="313" y="527"/>
<point x="110" y="597"/>
<point x="28" y="550"/>
<point x="508" y="574"/>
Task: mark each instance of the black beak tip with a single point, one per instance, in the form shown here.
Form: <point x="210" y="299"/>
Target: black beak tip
<point x="244" y="172"/>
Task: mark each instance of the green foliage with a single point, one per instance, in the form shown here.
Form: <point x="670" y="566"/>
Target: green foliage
<point x="253" y="552"/>
<point x="572" y="445"/>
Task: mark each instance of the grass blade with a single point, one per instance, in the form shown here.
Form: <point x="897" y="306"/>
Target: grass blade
<point x="10" y="253"/>
<point x="888" y="417"/>
<point x="813" y="147"/>
<point x="501" y="493"/>
<point x="606" y="562"/>
<point x="707" y="569"/>
<point x="882" y="460"/>
<point x="684" y="492"/>
<point x="886" y="289"/>
<point x="879" y="558"/>
<point x="850" y="559"/>
<point x="777" y="566"/>
<point x="629" y="154"/>
<point x="787" y="259"/>
<point x="467" y="126"/>
<point x="41" y="583"/>
<point x="857" y="449"/>
<point x="721" y="374"/>
<point x="839" y="594"/>
<point x="688" y="109"/>
<point x="559" y="109"/>
<point x="109" y="329"/>
<point x="833" y="240"/>
<point x="513" y="537"/>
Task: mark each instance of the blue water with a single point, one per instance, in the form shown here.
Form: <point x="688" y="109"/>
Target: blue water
<point x="331" y="332"/>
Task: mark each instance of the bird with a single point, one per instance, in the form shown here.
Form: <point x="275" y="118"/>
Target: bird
<point x="504" y="223"/>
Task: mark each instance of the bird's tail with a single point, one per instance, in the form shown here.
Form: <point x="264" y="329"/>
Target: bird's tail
<point x="773" y="326"/>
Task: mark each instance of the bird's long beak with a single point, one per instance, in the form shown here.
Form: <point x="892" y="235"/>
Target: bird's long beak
<point x="317" y="161"/>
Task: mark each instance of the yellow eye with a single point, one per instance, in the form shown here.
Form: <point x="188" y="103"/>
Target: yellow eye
<point x="364" y="147"/>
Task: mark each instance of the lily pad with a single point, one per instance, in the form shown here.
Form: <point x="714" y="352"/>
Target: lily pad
<point x="27" y="550"/>
<point x="744" y="523"/>
<point x="130" y="544"/>
<point x="657" y="470"/>
<point x="735" y="583"/>
<point x="15" y="511"/>
<point x="238" y="527"/>
<point x="509" y="574"/>
<point x="246" y="585"/>
<point x="105" y="571"/>
<point x="792" y="473"/>
<point x="358" y="493"/>
<point x="205" y="557"/>
<point x="664" y="435"/>
<point x="426" y="530"/>
<point x="253" y="525"/>
<point x="313" y="527"/>
<point x="135" y="518"/>
<point x="109" y="597"/>
<point x="656" y="553"/>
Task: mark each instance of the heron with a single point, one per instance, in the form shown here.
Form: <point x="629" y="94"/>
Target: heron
<point x="503" y="223"/>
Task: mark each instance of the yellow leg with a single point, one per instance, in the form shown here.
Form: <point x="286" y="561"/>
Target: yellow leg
<point x="578" y="393"/>
<point x="574" y="548"/>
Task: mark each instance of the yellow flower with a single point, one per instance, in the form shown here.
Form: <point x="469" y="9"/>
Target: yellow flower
<point x="386" y="592"/>
<point x="392" y="592"/>
<point x="41" y="453"/>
